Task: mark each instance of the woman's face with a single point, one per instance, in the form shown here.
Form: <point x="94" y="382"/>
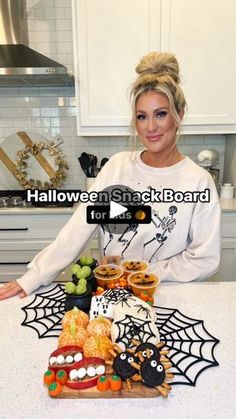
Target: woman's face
<point x="155" y="125"/>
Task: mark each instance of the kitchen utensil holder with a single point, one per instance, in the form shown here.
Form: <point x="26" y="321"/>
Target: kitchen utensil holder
<point x="89" y="182"/>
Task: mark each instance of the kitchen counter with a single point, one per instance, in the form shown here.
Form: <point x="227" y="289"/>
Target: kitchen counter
<point x="226" y="205"/>
<point x="37" y="210"/>
<point x="24" y="360"/>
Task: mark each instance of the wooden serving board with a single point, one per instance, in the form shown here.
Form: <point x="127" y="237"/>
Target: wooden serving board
<point x="138" y="391"/>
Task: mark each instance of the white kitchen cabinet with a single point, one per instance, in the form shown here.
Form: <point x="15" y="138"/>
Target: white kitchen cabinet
<point x="110" y="38"/>
<point x="26" y="233"/>
<point x="227" y="270"/>
<point x="202" y="35"/>
<point x="22" y="236"/>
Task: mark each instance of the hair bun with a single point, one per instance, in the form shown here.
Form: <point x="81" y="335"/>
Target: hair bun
<point x="162" y="63"/>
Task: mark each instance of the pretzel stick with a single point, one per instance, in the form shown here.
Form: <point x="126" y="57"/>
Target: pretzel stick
<point x="162" y="390"/>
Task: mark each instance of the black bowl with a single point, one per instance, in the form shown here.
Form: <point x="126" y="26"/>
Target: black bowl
<point x="82" y="301"/>
<point x="91" y="280"/>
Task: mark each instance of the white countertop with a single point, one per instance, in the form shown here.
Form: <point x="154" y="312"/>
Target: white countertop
<point x="39" y="210"/>
<point x="228" y="204"/>
<point x="24" y="360"/>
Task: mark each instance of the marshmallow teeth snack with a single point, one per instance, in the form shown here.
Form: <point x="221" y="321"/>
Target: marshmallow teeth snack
<point x="133" y="319"/>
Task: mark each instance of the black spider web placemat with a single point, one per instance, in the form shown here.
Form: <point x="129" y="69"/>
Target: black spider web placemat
<point x="191" y="346"/>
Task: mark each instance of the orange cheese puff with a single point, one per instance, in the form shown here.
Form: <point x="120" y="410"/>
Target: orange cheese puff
<point x="61" y="377"/>
<point x="54" y="389"/>
<point x="103" y="383"/>
<point x="115" y="383"/>
<point x="49" y="377"/>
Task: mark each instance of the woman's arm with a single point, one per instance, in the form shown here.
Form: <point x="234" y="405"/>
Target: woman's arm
<point x="201" y="258"/>
<point x="71" y="241"/>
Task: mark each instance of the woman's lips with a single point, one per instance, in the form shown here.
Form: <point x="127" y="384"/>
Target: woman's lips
<point x="154" y="137"/>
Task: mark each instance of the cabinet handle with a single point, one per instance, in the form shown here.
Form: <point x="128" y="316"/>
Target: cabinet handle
<point x="14" y="263"/>
<point x="14" y="229"/>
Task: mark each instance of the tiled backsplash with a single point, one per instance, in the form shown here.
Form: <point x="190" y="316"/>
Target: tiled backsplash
<point x="51" y="111"/>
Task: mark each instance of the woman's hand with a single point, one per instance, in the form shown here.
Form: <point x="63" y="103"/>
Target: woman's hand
<point x="10" y="289"/>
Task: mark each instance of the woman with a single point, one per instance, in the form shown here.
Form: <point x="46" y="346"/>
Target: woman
<point x="182" y="243"/>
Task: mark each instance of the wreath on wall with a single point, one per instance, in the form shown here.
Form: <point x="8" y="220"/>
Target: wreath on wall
<point x="34" y="149"/>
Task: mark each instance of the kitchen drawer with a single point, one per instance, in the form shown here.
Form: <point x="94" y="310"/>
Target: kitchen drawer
<point x="18" y="253"/>
<point x="33" y="226"/>
<point x="14" y="263"/>
<point x="15" y="256"/>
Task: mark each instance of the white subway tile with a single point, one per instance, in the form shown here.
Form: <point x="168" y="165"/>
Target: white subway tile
<point x="49" y="91"/>
<point x="68" y="111"/>
<point x="9" y="92"/>
<point x="186" y="149"/>
<point x="36" y="37"/>
<point x="63" y="3"/>
<point x="118" y="141"/>
<point x="33" y="112"/>
<point x="21" y="123"/>
<point x="63" y="25"/>
<point x="35" y="13"/>
<point x="50" y="112"/>
<point x="215" y="139"/>
<point x="68" y="13"/>
<point x="40" y="25"/>
<point x="39" y="101"/>
<point x="6" y="122"/>
<point x="193" y="139"/>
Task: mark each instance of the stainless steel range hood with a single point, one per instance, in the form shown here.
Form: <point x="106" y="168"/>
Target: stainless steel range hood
<point x="20" y="66"/>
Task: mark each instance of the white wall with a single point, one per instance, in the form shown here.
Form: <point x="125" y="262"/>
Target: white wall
<point x="51" y="111"/>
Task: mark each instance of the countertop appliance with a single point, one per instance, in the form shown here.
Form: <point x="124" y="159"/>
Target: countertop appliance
<point x="208" y="159"/>
<point x="19" y="64"/>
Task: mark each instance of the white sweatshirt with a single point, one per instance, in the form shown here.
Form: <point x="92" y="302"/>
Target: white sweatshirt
<point x="182" y="243"/>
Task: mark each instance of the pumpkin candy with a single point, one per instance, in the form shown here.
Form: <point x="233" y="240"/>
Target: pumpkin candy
<point x="79" y="317"/>
<point x="72" y="335"/>
<point x="99" y="346"/>
<point x="99" y="326"/>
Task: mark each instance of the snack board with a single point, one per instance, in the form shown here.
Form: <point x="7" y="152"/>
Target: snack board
<point x="117" y="342"/>
<point x="138" y="391"/>
<point x="122" y="355"/>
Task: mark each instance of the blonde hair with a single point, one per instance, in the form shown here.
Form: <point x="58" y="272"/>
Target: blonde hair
<point x="158" y="72"/>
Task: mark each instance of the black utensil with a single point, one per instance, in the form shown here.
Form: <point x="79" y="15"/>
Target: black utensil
<point x="103" y="162"/>
<point x="85" y="164"/>
<point x="88" y="164"/>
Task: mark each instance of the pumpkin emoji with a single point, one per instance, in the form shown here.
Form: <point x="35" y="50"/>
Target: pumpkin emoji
<point x="77" y="316"/>
<point x="99" y="326"/>
<point x="98" y="346"/>
<point x="72" y="335"/>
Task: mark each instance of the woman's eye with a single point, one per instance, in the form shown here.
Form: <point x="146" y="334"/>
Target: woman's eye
<point x="140" y="117"/>
<point x="161" y="114"/>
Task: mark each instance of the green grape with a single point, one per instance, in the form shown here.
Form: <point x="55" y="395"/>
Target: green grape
<point x="89" y="261"/>
<point x="81" y="287"/>
<point x="86" y="260"/>
<point x="86" y="271"/>
<point x="79" y="274"/>
<point x="70" y="287"/>
<point x="83" y="260"/>
<point x="75" y="268"/>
